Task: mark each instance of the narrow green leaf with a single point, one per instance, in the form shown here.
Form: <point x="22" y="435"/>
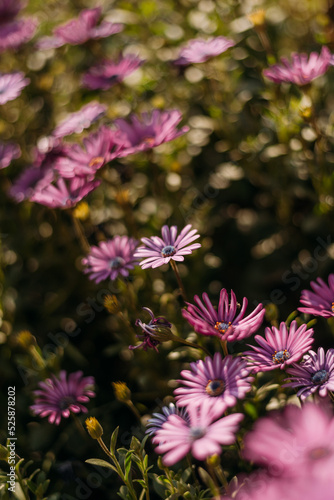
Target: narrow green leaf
<point x="101" y="463"/>
<point x="127" y="464"/>
<point x="113" y="441"/>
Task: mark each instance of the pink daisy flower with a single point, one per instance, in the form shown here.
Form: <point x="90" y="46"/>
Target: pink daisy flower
<point x="76" y="122"/>
<point x="301" y="70"/>
<point x="87" y="160"/>
<point x="59" y="396"/>
<point x="105" y="75"/>
<point x="200" y="50"/>
<point x="260" y="486"/>
<point x="223" y="323"/>
<point x="14" y="33"/>
<point x="320" y="302"/>
<point x="221" y="381"/>
<point x="11" y="85"/>
<point x="64" y="195"/>
<point x="297" y="442"/>
<point x="280" y="347"/>
<point x="111" y="258"/>
<point x="153" y="332"/>
<point x="148" y="131"/>
<point x="41" y="174"/>
<point x="80" y="30"/>
<point x="155" y="423"/>
<point x="315" y="374"/>
<point x="201" y="436"/>
<point x="8" y="152"/>
<point x="158" y="251"/>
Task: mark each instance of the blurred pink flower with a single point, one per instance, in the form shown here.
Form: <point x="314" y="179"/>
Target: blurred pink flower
<point x="11" y="85"/>
<point x="62" y="194"/>
<point x="105" y="75"/>
<point x="95" y="153"/>
<point x="157" y="251"/>
<point x="79" y="30"/>
<point x="200" y="50"/>
<point x="76" y="122"/>
<point x="8" y="152"/>
<point x="315" y="374"/>
<point x="155" y="423"/>
<point x="320" y="302"/>
<point x="302" y="69"/>
<point x="223" y="323"/>
<point x="221" y="381"/>
<point x="297" y="442"/>
<point x="280" y="347"/>
<point x="148" y="131"/>
<point x="111" y="258"/>
<point x="41" y="173"/>
<point x="14" y="32"/>
<point x="59" y="396"/>
<point x="201" y="436"/>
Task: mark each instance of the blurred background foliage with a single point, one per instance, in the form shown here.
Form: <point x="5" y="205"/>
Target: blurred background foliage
<point x="252" y="175"/>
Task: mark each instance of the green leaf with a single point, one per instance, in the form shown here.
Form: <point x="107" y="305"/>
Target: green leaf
<point x="141" y="482"/>
<point x="206" y="478"/>
<point x="32" y="486"/>
<point x="101" y="463"/>
<point x="127" y="464"/>
<point x="135" y="444"/>
<point x="113" y="441"/>
<point x="144" y="442"/>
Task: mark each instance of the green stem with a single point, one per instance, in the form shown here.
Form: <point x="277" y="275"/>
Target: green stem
<point x="78" y="229"/>
<point x="224" y="346"/>
<point x="179" y="281"/>
<point x="21" y="483"/>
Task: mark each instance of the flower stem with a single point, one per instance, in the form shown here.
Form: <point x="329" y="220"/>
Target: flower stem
<point x="179" y="281"/>
<point x="224" y="346"/>
<point x="78" y="229"/>
<point x="190" y="344"/>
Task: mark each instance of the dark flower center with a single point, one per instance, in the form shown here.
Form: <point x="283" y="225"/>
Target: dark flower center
<point x="197" y="432"/>
<point x="320" y="452"/>
<point x="215" y="387"/>
<point x="280" y="356"/>
<point x="320" y="377"/>
<point x="168" y="251"/>
<point x="222" y="327"/>
<point x="332" y="307"/>
<point x="66" y="402"/>
<point x="116" y="263"/>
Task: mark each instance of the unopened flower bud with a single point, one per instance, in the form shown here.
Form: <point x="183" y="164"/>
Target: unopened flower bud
<point x="111" y="303"/>
<point x="122" y="392"/>
<point x="257" y="17"/>
<point x="94" y="428"/>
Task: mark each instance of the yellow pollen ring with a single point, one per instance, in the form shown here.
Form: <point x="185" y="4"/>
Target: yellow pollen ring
<point x="221" y="330"/>
<point x="97" y="160"/>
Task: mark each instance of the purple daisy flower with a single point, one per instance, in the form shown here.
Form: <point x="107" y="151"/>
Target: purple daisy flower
<point x="297" y="442"/>
<point x="157" y="251"/>
<point x="111" y="258"/>
<point x="200" y="50"/>
<point x="301" y="70"/>
<point x="95" y="153"/>
<point x="11" y="85"/>
<point x="148" y="131"/>
<point x="316" y="373"/>
<point x="201" y="436"/>
<point x="76" y="122"/>
<point x="320" y="302"/>
<point x="62" y="194"/>
<point x="8" y="152"/>
<point x="105" y="75"/>
<point x="280" y="347"/>
<point x="59" y="396"/>
<point x="155" y="423"/>
<point x="42" y="173"/>
<point x="80" y="30"/>
<point x="221" y="381"/>
<point x="155" y="332"/>
<point x="14" y="33"/>
<point x="223" y="323"/>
